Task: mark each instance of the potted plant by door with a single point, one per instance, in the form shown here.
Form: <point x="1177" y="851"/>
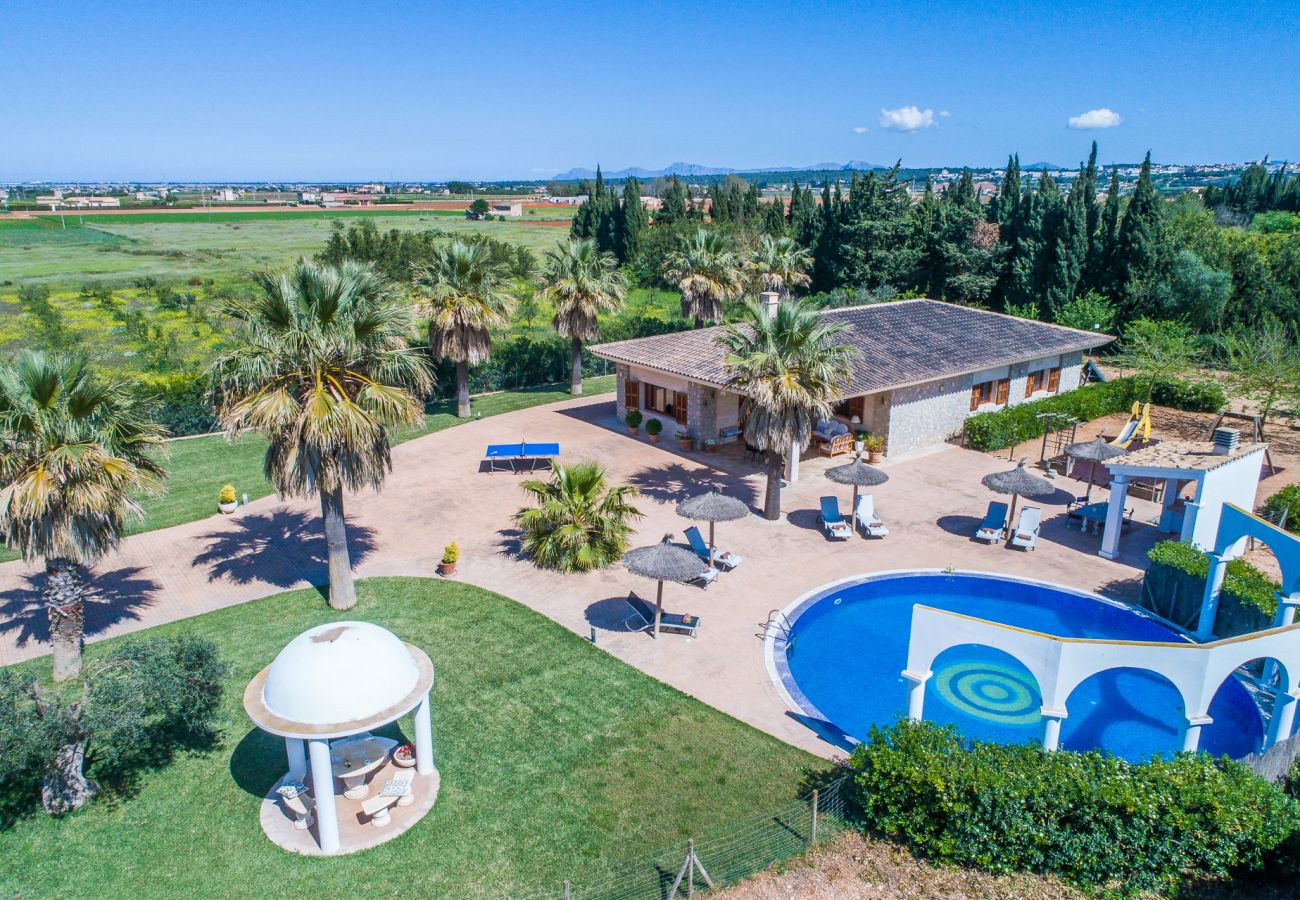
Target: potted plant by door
<point x="859" y="438"/>
<point x="710" y="445"/>
<point x="450" y="554"/>
<point x="685" y="441"/>
<point x="632" y="420"/>
<point x="226" y="500"/>
<point x="652" y="429"/>
<point x="874" y="444"/>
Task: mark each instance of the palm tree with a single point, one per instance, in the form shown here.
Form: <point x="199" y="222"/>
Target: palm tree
<point x="707" y="273"/>
<point x="580" y="521"/>
<point x="780" y="264"/>
<point x="583" y="283"/>
<point x="790" y="367"/>
<point x="77" y="452"/>
<point x="322" y="367"/>
<point x="465" y="294"/>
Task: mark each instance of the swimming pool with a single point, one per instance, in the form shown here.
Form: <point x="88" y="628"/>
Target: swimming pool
<point x="847" y="646"/>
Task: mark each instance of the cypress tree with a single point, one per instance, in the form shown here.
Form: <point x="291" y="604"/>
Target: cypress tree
<point x="675" y="204"/>
<point x="1004" y="206"/>
<point x="1102" y="262"/>
<point x="633" y="220"/>
<point x="774" y="217"/>
<point x="1140" y="251"/>
<point x="720" y="208"/>
<point x="962" y="194"/>
<point x="1070" y="249"/>
<point x="794" y="204"/>
<point x="825" y="272"/>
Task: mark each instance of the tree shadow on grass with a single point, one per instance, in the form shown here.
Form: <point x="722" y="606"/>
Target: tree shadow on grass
<point x="259" y="759"/>
<point x="281" y="548"/>
<point x="114" y="596"/>
<point x="676" y="482"/>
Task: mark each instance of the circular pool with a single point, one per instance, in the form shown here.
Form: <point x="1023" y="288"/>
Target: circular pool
<point x="846" y="648"/>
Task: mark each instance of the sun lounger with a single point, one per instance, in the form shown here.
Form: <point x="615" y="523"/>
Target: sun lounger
<point x="514" y="454"/>
<point x="726" y="560"/>
<point x="832" y="522"/>
<point x="995" y="520"/>
<point x="643" y="619"/>
<point x="868" y="522"/>
<point x="1026" y="532"/>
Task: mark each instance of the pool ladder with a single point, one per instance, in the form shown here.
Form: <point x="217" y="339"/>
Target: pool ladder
<point x="778" y="621"/>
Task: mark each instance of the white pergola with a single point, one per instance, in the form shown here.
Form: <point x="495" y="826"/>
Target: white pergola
<point x="335" y="681"/>
<point x="1219" y="478"/>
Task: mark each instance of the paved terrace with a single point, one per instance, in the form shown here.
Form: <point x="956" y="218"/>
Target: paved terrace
<point x="437" y="493"/>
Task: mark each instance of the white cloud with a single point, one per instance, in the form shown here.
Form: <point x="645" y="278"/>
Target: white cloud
<point x="944" y="113"/>
<point x="1095" y="118"/>
<point x="907" y="118"/>
<point x="861" y="129"/>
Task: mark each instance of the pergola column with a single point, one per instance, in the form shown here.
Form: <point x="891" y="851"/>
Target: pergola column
<point x="424" y="764"/>
<point x="1114" y="517"/>
<point x="916" y="693"/>
<point x="1281" y="719"/>
<point x="1052" y="718"/>
<point x="1192" y="732"/>
<point x="322" y="786"/>
<point x="1210" y="600"/>
<point x="296" y="750"/>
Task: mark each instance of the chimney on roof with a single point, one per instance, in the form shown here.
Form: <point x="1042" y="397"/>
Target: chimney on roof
<point x="769" y="300"/>
<point x="1225" y="441"/>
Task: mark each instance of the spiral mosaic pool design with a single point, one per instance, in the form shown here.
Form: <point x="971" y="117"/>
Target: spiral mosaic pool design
<point x="848" y="643"/>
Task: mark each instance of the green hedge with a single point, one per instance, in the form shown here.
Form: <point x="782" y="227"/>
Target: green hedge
<point x="1289" y="499"/>
<point x="1247" y="601"/>
<point x="1015" y="424"/>
<point x="1094" y="819"/>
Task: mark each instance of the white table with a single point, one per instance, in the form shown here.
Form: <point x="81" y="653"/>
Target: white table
<point x="352" y="759"/>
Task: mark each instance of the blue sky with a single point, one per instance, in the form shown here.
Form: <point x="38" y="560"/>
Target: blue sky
<point x="401" y="90"/>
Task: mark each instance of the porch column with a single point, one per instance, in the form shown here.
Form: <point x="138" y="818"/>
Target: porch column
<point x="792" y="463"/>
<point x="295" y="749"/>
<point x="322" y="789"/>
<point x="424" y="737"/>
<point x="1052" y="717"/>
<point x="1210" y="600"/>
<point x="1285" y="615"/>
<point x="916" y="693"/>
<point x="1281" y="719"/>
<point x="1192" y="732"/>
<point x="1114" y="517"/>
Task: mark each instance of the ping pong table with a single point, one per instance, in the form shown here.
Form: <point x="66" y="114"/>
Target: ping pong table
<point x="514" y="454"/>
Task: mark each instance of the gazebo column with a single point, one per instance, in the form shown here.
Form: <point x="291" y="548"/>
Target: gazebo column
<point x="1052" y="718"/>
<point x="297" y="753"/>
<point x="424" y="764"/>
<point x="1281" y="719"/>
<point x="916" y="693"/>
<point x="1114" y="517"/>
<point x="1192" y="732"/>
<point x="1210" y="600"/>
<point x="322" y="787"/>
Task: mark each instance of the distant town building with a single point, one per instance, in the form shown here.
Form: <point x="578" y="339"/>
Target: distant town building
<point x="370" y="189"/>
<point x="652" y="203"/>
<point x="226" y="195"/>
<point x="309" y="197"/>
<point x="91" y="202"/>
<point x="576" y="200"/>
<point x="49" y="200"/>
<point x="513" y="208"/>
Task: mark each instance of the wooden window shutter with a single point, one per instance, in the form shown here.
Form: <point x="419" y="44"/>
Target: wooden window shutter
<point x="1004" y="390"/>
<point x="1054" y="379"/>
<point x="976" y="393"/>
<point x="679" y="407"/>
<point x="632" y="394"/>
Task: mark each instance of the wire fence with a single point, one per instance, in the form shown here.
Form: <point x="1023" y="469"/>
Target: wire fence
<point x="720" y="857"/>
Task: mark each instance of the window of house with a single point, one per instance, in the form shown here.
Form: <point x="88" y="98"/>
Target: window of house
<point x="679" y="407"/>
<point x="632" y="394"/>
<point x="1034" y="383"/>
<point x="1004" y="391"/>
<point x="658" y="399"/>
<point x="850" y="407"/>
<point x="980" y="394"/>
<point x="1054" y="379"/>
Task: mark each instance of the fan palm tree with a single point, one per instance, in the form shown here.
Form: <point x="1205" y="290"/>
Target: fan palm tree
<point x="790" y="367"/>
<point x="323" y="369"/>
<point x="77" y="452"/>
<point x="465" y="293"/>
<point x="583" y="283"/>
<point x="707" y="273"/>
<point x="780" y="264"/>
<point x="580" y="521"/>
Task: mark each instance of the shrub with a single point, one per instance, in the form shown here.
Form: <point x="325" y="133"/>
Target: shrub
<point x="1242" y="582"/>
<point x="1091" y="818"/>
<point x="633" y="418"/>
<point x="451" y="554"/>
<point x="1289" y="499"/>
<point x="227" y="494"/>
<point x="1191" y="396"/>
<point x="653" y="426"/>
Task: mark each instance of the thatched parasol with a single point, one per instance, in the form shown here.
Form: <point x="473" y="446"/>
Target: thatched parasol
<point x="1019" y="482"/>
<point x="663" y="561"/>
<point x="860" y="475"/>
<point x="1097" y="450"/>
<point x="712" y="507"/>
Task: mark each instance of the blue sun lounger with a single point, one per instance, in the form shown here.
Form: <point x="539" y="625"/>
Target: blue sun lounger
<point x="514" y="454"/>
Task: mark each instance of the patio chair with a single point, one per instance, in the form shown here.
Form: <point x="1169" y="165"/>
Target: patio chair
<point x="396" y="791"/>
<point x="1026" y="532"/>
<point x="832" y="522"/>
<point x="296" y="800"/>
<point x="995" y="520"/>
<point x="870" y="523"/>
<point x="706" y="577"/>
<point x="725" y="559"/>
<point x="644" y="613"/>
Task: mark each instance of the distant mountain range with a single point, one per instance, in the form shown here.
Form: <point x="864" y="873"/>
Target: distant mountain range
<point x="685" y="168"/>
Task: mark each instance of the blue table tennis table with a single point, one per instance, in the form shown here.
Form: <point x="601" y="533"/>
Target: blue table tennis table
<point x="514" y="454"/>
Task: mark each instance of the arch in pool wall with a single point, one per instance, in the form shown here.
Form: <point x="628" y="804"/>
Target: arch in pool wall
<point x="1235" y="526"/>
<point x="998" y="690"/>
<point x="1076" y="721"/>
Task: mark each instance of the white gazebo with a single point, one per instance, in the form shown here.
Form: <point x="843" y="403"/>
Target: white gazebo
<point x="1220" y="473"/>
<point x="324" y="693"/>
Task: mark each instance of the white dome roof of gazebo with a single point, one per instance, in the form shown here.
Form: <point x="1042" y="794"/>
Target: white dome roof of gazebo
<point x="338" y="678"/>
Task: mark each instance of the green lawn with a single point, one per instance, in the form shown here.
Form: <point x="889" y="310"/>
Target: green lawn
<point x="556" y="759"/>
<point x="198" y="467"/>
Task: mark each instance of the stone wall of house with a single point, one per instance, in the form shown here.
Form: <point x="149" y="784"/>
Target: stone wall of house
<point x="701" y="411"/>
<point x="926" y="414"/>
<point x="621" y="380"/>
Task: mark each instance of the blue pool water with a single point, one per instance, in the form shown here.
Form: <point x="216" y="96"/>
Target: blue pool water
<point x="848" y="647"/>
